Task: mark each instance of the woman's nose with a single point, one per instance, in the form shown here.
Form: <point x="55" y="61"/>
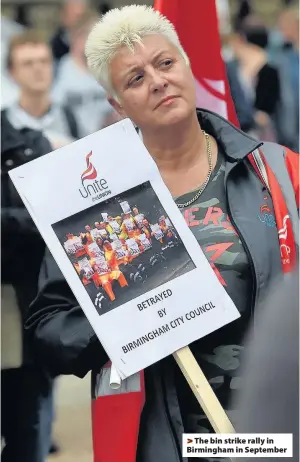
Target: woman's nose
<point x="158" y="82"/>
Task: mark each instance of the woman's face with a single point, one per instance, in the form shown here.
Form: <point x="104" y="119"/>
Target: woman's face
<point x="154" y="85"/>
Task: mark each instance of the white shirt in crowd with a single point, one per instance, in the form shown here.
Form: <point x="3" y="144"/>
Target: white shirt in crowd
<point x="78" y="89"/>
<point x="9" y="91"/>
<point x="53" y="124"/>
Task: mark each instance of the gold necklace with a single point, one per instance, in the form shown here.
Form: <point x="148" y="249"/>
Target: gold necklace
<point x="210" y="168"/>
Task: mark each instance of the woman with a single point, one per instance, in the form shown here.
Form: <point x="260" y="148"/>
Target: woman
<point x="136" y="55"/>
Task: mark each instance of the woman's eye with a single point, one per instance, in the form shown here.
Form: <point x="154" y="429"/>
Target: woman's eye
<point x="135" y="80"/>
<point x="167" y="63"/>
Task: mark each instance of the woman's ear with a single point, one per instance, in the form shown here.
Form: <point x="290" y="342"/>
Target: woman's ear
<point x="117" y="106"/>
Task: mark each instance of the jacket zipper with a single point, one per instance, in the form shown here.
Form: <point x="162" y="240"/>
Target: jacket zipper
<point x="249" y="256"/>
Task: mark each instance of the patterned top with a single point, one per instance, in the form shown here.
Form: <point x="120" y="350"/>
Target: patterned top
<point x="219" y="353"/>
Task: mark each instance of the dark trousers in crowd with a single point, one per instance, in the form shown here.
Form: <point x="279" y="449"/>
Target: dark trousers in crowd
<point x="26" y="391"/>
<point x="26" y="414"/>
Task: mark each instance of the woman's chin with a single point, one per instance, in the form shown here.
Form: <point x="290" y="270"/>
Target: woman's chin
<point x="175" y="115"/>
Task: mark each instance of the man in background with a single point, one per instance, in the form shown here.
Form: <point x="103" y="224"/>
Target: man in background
<point x="76" y="87"/>
<point x="9" y="89"/>
<point x="70" y="13"/>
<point x="30" y="64"/>
<point x="26" y="392"/>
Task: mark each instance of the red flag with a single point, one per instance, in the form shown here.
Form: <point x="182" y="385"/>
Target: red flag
<point x="196" y="23"/>
<point x="116" y="417"/>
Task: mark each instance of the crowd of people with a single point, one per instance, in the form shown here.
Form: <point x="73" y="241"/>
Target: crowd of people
<point x="49" y="99"/>
<point x="98" y="254"/>
<point x="51" y="92"/>
<point x="263" y="71"/>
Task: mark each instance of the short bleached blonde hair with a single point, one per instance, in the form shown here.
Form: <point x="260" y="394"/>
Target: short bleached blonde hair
<point x="124" y="26"/>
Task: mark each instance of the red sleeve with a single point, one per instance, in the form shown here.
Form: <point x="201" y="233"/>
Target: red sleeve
<point x="292" y="164"/>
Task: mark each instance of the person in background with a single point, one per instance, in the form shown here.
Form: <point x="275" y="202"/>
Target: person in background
<point x="9" y="89"/>
<point x="30" y="64"/>
<point x="70" y="12"/>
<point x="258" y="79"/>
<point x="244" y="10"/>
<point x="76" y="87"/>
<point x="86" y="236"/>
<point x="102" y="229"/>
<point x="269" y="399"/>
<point x="287" y="61"/>
<point x="104" y="7"/>
<point x="243" y="106"/>
<point x="26" y="391"/>
<point x="138" y="217"/>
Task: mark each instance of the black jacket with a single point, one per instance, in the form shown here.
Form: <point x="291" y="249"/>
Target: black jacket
<point x="243" y="107"/>
<point x="59" y="45"/>
<point x="22" y="247"/>
<point x="267" y="90"/>
<point x="65" y="341"/>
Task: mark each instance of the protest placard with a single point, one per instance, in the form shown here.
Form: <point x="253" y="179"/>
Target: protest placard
<point x="144" y="283"/>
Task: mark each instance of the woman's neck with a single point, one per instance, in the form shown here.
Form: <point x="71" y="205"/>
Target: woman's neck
<point x="176" y="148"/>
<point x="181" y="155"/>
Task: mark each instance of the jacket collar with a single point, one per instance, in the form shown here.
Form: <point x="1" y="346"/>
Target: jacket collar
<point x="235" y="143"/>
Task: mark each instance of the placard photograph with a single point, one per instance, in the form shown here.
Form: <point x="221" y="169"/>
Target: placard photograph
<point x="123" y="247"/>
